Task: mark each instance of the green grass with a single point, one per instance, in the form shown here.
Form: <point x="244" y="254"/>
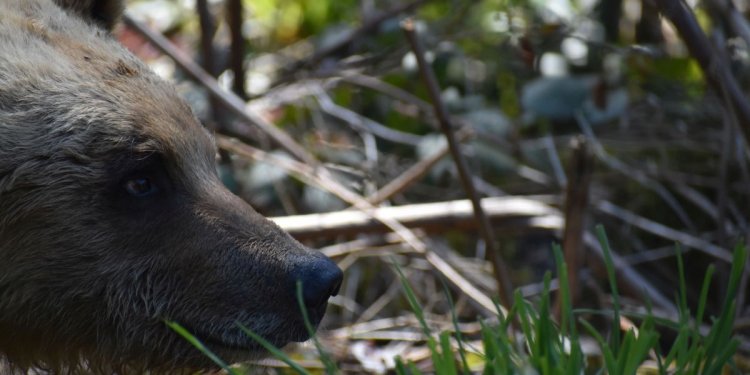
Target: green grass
<point x="542" y="346"/>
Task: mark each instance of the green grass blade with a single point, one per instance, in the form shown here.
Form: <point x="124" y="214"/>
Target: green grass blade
<point x="419" y="313"/>
<point x="691" y="359"/>
<point x="328" y="363"/>
<point x="459" y="335"/>
<point x="604" y="242"/>
<point x="400" y="368"/>
<point x="416" y="307"/>
<point x="677" y="352"/>
<point x="546" y="335"/>
<point x="567" y="323"/>
<point x="702" y="301"/>
<point x="609" y="359"/>
<point x="276" y="352"/>
<point x="723" y="357"/>
<point x="413" y="370"/>
<point x="573" y="362"/>
<point x="640" y="347"/>
<point x="496" y="351"/>
<point x="199" y="345"/>
<point x="448" y="362"/>
<point x="721" y="331"/>
<point x="680" y="347"/>
<point x="682" y="287"/>
<point x="524" y="316"/>
<point x="623" y="355"/>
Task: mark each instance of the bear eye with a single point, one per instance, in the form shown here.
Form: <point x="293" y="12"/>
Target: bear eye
<point x="140" y="187"/>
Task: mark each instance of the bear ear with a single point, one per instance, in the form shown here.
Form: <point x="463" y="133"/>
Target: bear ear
<point x="104" y="13"/>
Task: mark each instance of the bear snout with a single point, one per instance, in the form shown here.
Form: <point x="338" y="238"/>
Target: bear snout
<point x="320" y="279"/>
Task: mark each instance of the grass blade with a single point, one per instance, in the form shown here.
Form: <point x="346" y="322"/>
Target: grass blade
<point x="276" y="352"/>
<point x="459" y="335"/>
<point x="199" y="345"/>
<point x="328" y="363"/>
<point x="615" y="341"/>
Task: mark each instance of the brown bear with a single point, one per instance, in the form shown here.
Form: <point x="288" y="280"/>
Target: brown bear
<point x="113" y="219"/>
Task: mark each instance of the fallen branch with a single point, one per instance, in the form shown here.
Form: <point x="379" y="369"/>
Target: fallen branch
<point x="433" y="217"/>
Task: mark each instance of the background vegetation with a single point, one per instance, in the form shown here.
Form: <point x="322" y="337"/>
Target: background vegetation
<point x="565" y="114"/>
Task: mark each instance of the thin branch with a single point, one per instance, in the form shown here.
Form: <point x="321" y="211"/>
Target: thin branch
<point x="629" y="172"/>
<point x="379" y="304"/>
<point x="367" y="28"/>
<point x="554" y="159"/>
<point x="388" y="89"/>
<point x="230" y="100"/>
<point x="505" y="288"/>
<point x="364" y="124"/>
<point x="413" y="174"/>
<point x="576" y="205"/>
<point x="234" y="13"/>
<point x="663" y="231"/>
<point x="434" y="217"/>
<point x="630" y="280"/>
<point x="713" y="66"/>
<point x="721" y="193"/>
<point x="208" y="30"/>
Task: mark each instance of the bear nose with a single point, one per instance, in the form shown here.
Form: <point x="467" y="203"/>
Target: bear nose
<point x="321" y="278"/>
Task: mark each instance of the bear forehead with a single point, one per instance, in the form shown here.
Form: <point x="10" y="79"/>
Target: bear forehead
<point x="92" y="82"/>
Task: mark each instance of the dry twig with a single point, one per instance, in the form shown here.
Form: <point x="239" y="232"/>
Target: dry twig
<point x="234" y="15"/>
<point x="576" y="205"/>
<point x="366" y="28"/>
<point x="364" y="124"/>
<point x="662" y="230"/>
<point x="638" y="175"/>
<point x="230" y="100"/>
<point x="629" y="279"/>
<point x="711" y="63"/>
<point x="413" y="174"/>
<point x="505" y="287"/>
<point x="208" y="62"/>
<point x="438" y="216"/>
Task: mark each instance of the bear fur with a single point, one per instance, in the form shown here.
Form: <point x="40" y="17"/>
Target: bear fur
<point x="112" y="217"/>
